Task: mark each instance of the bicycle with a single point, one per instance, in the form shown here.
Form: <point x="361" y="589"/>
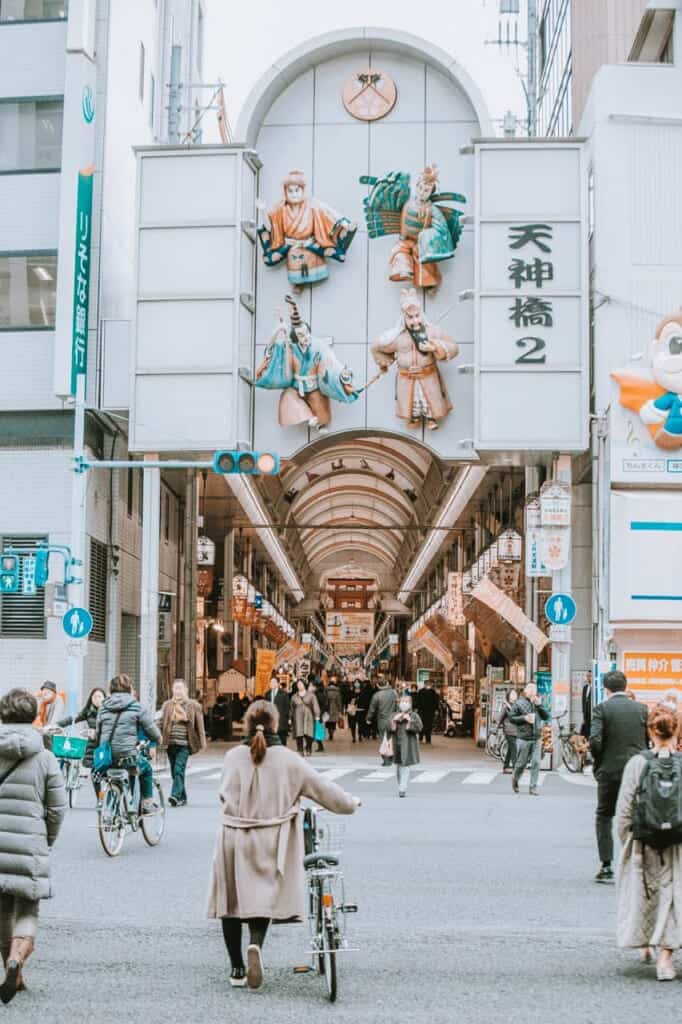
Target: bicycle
<point x="119" y="810"/>
<point x="69" y="751"/>
<point x="496" y="744"/>
<point x="574" y="747"/>
<point x="327" y="906"/>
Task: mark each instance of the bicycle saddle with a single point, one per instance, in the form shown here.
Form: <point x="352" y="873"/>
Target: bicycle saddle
<point x="313" y="860"/>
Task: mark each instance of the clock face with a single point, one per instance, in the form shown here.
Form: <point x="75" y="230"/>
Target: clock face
<point x="369" y="95"/>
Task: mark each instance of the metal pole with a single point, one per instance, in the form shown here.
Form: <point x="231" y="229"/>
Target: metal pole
<point x="532" y="486"/>
<point x="561" y="583"/>
<point x="149" y="596"/>
<point x="532" y="85"/>
<point x="174" y="95"/>
<point x="75" y="591"/>
<point x="189" y="655"/>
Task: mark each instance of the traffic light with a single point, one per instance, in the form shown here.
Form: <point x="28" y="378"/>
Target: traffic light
<point x="9" y="574"/>
<point x="247" y="463"/>
<point x="42" y="557"/>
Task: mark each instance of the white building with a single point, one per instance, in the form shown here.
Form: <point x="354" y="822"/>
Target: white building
<point x="80" y="82"/>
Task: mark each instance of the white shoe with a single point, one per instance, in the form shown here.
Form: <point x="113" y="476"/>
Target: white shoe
<point x="313" y="421"/>
<point x="254" y="967"/>
<point x="665" y="971"/>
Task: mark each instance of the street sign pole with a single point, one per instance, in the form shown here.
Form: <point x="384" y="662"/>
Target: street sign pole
<point x="561" y="651"/>
<point x="75" y="591"/>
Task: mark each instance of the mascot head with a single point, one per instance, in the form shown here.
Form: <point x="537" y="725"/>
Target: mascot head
<point x="666" y="354"/>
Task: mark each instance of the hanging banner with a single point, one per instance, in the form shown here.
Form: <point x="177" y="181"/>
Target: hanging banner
<point x="509" y="546"/>
<point x="350" y="627"/>
<point x="494" y="598"/>
<point x="454" y="612"/>
<point x="535" y="567"/>
<point x="555" y="548"/>
<point x="265" y="665"/>
<point x="424" y="637"/>
<point x="291" y="652"/>
<point x="555" y="503"/>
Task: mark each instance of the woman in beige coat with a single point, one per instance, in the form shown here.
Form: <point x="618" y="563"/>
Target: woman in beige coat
<point x="649" y="912"/>
<point x="257" y="874"/>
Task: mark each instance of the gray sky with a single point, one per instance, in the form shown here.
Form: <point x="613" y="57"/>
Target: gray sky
<point x="241" y="46"/>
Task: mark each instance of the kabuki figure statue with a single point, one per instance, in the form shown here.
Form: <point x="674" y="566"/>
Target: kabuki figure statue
<point x="307" y="372"/>
<point x="305" y="233"/>
<point x="428" y="232"/>
<point x="416" y="346"/>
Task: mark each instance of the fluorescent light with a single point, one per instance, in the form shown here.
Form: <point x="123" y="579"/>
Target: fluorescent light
<point x="42" y="274"/>
<point x="461" y="492"/>
<point x="248" y="498"/>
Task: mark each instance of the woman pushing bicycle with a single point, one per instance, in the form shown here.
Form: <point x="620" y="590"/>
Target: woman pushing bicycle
<point x="257" y="875"/>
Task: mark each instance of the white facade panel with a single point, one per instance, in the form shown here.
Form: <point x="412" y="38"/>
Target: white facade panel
<point x="185" y="335"/>
<point x="646" y="561"/>
<point x="29" y="211"/>
<point x="561" y="351"/>
<point x="26" y="378"/>
<point x="184" y="411"/>
<point x="185" y="262"/>
<point x="174" y="190"/>
<point x="115" y="338"/>
<point x="33" y="59"/>
<point x="539" y="176"/>
<point x="509" y="404"/>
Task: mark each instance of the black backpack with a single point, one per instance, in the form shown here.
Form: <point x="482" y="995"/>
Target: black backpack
<point x="657" y="811"/>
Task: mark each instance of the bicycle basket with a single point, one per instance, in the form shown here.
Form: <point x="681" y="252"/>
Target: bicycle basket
<point x="329" y="834"/>
<point x="69" y="747"/>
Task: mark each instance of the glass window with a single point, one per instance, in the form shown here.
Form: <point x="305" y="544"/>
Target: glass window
<point x="33" y="10"/>
<point x="28" y="290"/>
<point x="31" y="134"/>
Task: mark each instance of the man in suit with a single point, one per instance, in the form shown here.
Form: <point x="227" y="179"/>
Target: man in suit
<point x="280" y="698"/>
<point x="618" y="732"/>
<point x="426" y="704"/>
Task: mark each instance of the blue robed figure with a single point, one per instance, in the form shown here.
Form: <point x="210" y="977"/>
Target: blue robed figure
<point x="306" y="371"/>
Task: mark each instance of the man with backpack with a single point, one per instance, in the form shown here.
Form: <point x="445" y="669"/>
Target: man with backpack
<point x="618" y="732"/>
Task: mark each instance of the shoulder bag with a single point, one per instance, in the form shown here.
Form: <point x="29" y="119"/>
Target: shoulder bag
<point x="103" y="755"/>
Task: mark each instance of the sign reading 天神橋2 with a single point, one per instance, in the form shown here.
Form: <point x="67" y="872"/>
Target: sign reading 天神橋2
<point x="531" y="294"/>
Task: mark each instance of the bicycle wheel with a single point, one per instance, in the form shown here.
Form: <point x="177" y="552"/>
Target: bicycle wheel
<point x="570" y="756"/>
<point x="330" y="945"/>
<point x="491" y="745"/>
<point x="73" y="782"/>
<point x="110" y="824"/>
<point x="154" y="825"/>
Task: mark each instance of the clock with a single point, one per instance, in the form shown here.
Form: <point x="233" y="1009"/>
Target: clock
<point x="369" y="95"/>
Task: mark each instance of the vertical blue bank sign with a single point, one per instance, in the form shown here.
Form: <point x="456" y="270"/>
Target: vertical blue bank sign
<point x="81" y="276"/>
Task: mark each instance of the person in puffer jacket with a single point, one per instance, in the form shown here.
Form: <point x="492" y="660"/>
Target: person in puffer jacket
<point x="120" y="721"/>
<point x="32" y="808"/>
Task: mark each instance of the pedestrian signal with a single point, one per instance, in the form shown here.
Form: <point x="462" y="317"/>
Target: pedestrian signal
<point x="249" y="463"/>
<point x="9" y="574"/>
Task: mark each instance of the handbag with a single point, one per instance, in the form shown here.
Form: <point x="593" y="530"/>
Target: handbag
<point x="386" y="748"/>
<point x="319" y="733"/>
<point x="103" y="755"/>
<point x="341" y="723"/>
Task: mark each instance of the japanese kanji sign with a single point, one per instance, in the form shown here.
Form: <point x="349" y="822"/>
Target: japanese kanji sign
<point x="81" y="276"/>
<point x="531" y="296"/>
<point x="651" y="673"/>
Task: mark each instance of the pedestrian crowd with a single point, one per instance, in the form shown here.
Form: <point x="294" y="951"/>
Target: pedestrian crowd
<point x="258" y="865"/>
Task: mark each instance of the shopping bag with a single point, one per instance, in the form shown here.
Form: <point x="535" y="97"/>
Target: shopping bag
<point x="386" y="748"/>
<point x="320" y="732"/>
<point x="341" y="722"/>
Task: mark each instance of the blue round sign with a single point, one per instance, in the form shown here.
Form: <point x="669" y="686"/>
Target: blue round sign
<point x="77" y="623"/>
<point x="560" y="609"/>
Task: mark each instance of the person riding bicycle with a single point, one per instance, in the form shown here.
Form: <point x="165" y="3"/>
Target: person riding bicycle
<point x="121" y="720"/>
<point x="88" y="714"/>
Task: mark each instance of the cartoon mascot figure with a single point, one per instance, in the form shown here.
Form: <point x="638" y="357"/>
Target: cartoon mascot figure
<point x="658" y="402"/>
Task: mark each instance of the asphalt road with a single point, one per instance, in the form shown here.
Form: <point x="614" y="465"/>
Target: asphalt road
<point x="475" y="905"/>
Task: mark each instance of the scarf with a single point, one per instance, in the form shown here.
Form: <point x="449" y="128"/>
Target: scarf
<point x="271" y="739"/>
<point x="179" y="710"/>
<point x="44" y="709"/>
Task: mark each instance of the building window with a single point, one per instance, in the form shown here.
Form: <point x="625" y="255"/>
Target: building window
<point x="22" y="615"/>
<point x="33" y="10"/>
<point x="130" y="495"/>
<point x="28" y="290"/>
<point x="140" y="84"/>
<point x="31" y="135"/>
<point x="97" y="596"/>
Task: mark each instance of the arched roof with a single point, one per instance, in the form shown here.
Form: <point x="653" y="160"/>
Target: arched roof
<point x="334" y="44"/>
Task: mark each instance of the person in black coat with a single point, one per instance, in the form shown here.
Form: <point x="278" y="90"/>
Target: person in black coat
<point x="587" y="708"/>
<point x="617" y="733"/>
<point x="364" y="699"/>
<point x="278" y="696"/>
<point x="510" y="730"/>
<point x="426" y="705"/>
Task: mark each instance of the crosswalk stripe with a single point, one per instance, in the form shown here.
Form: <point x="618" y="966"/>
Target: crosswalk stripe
<point x="330" y="774"/>
<point x="480" y="778"/>
<point x="426" y="777"/>
<point x="381" y="775"/>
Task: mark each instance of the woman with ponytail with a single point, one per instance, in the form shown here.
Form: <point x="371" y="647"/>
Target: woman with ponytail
<point x="257" y="874"/>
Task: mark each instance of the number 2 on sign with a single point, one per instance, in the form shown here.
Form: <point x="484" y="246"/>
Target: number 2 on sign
<point x="533" y="354"/>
